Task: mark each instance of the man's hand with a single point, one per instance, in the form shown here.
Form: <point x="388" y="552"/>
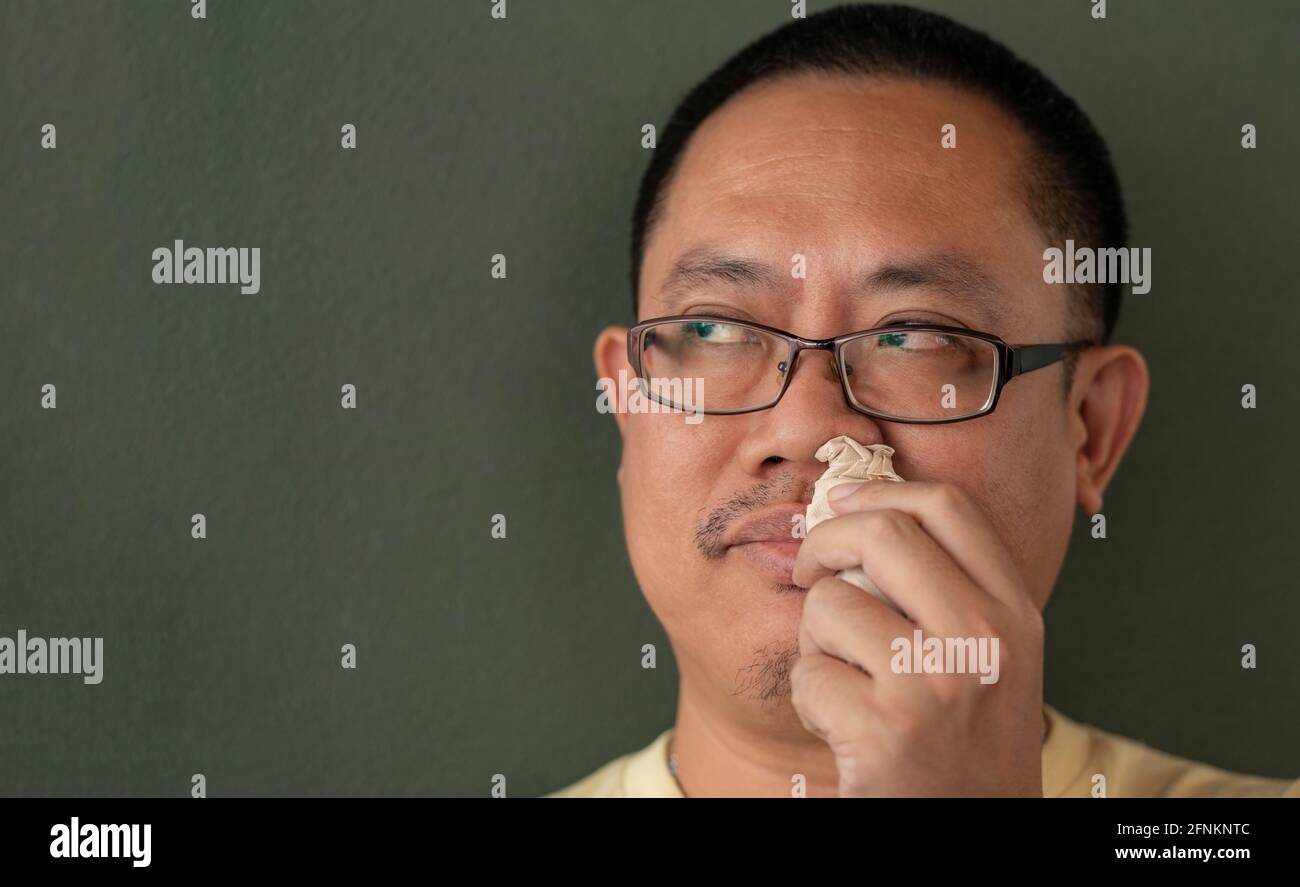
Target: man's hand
<point x="935" y="554"/>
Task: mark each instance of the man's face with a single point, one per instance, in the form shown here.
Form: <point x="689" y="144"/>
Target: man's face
<point x="850" y="174"/>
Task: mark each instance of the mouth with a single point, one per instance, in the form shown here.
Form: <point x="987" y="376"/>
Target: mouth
<point x="767" y="542"/>
<point x="774" y="560"/>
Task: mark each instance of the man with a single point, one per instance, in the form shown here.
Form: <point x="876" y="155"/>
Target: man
<point x="867" y="168"/>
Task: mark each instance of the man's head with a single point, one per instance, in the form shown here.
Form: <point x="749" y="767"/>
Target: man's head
<point x="825" y="140"/>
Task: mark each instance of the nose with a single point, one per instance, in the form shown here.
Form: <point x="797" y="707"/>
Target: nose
<point x="812" y="411"/>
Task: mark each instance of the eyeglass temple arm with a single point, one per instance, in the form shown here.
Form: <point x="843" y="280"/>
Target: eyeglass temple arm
<point x="1035" y="357"/>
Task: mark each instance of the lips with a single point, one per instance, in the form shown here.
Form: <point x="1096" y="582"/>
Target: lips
<point x="767" y="541"/>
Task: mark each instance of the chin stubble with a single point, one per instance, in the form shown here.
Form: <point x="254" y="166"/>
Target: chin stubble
<point x="767" y="678"/>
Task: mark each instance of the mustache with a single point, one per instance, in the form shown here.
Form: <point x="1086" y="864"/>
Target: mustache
<point x="711" y="531"/>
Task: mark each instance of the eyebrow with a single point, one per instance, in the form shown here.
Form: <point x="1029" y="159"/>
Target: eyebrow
<point x="958" y="278"/>
<point x="705" y="266"/>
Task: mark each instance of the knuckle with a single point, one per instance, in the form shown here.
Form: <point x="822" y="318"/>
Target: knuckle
<point x="981" y="626"/>
<point x="949" y="689"/>
<point x="888" y="524"/>
<point x="855" y="775"/>
<point x="1033" y="622"/>
<point x="818" y="597"/>
<point x="798" y="683"/>
<point x="803" y="675"/>
<point x="826" y="594"/>
<point x="904" y="724"/>
<point x="1026" y="623"/>
<point x="949" y="498"/>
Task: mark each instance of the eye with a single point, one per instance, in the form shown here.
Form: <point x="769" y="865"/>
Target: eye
<point x="722" y="333"/>
<point x="920" y="341"/>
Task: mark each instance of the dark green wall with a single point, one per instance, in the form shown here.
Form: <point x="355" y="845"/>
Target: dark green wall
<point x="476" y="396"/>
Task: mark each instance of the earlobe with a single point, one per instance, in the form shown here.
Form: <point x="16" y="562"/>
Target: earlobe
<point x="1086" y="492"/>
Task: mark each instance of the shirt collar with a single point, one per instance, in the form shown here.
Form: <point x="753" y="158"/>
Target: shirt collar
<point x="1065" y="755"/>
<point x="647" y="774"/>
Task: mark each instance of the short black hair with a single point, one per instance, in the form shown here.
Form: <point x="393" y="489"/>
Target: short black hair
<point x="1072" y="189"/>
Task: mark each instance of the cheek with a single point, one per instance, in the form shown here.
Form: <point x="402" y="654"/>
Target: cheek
<point x="1019" y="472"/>
<point x="669" y="473"/>
<point x="662" y="477"/>
<point x="670" y="467"/>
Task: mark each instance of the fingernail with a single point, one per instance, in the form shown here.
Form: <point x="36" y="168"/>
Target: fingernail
<point x="839" y="491"/>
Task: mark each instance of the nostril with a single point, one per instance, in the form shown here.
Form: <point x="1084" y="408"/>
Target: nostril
<point x="773" y="460"/>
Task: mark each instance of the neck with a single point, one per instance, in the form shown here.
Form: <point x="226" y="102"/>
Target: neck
<point x="719" y="752"/>
<point x="722" y="753"/>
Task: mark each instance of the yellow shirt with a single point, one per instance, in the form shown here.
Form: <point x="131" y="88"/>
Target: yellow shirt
<point x="1072" y="755"/>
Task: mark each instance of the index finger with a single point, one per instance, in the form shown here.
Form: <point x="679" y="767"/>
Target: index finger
<point x="956" y="523"/>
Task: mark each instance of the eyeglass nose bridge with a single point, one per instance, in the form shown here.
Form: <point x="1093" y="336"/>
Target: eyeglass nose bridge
<point x="798" y="345"/>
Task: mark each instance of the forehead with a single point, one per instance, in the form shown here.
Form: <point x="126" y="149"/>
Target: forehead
<point x="853" y="173"/>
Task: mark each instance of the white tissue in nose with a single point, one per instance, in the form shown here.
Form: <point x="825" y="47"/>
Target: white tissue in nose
<point x="850" y="462"/>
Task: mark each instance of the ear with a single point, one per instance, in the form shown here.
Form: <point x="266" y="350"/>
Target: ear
<point x="1107" y="401"/>
<point x="610" y="356"/>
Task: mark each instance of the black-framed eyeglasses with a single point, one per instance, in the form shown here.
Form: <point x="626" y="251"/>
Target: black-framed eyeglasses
<point x="915" y="373"/>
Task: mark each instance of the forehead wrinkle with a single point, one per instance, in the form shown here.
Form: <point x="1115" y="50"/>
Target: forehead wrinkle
<point x="765" y="144"/>
<point x="798" y="125"/>
<point x="857" y="179"/>
<point x="904" y="143"/>
<point x="925" y="182"/>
